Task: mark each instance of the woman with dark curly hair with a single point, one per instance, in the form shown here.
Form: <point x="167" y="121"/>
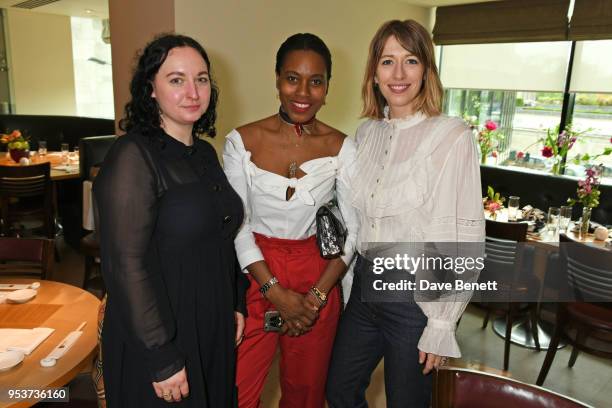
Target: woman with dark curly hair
<point x="167" y="221"/>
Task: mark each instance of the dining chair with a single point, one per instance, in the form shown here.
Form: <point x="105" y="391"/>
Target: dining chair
<point x="509" y="264"/>
<point x="26" y="257"/>
<point x="26" y="192"/>
<point x="465" y="388"/>
<point x="587" y="323"/>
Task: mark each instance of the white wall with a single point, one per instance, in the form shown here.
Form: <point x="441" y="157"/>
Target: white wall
<point x="40" y="63"/>
<point x="242" y="38"/>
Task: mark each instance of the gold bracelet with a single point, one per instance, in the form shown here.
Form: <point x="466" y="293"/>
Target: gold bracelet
<point x="320" y="295"/>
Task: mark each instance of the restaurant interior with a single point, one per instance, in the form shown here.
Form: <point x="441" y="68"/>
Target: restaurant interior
<point x="532" y="78"/>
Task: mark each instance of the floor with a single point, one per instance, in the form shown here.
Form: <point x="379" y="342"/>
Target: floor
<point x="590" y="380"/>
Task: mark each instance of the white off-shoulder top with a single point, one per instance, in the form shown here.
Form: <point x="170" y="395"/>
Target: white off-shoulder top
<point x="267" y="211"/>
<point x="418" y="180"/>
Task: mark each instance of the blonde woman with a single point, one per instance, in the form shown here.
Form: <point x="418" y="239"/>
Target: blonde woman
<point x="417" y="180"/>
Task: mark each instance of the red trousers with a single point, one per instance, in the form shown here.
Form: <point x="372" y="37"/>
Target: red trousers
<point x="304" y="359"/>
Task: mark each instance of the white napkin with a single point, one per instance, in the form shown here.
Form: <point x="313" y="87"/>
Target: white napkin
<point x="24" y="340"/>
<point x="88" y="215"/>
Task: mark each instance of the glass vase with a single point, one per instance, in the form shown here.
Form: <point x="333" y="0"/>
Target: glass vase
<point x="585" y="221"/>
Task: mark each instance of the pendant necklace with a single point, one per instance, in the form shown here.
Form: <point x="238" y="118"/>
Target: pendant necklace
<point x="299" y="129"/>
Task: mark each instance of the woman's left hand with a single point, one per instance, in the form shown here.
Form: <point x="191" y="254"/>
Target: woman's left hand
<point x="431" y="361"/>
<point x="239" y="327"/>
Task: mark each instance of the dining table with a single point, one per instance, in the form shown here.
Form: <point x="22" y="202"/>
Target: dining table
<point x="63" y="166"/>
<point x="544" y="243"/>
<point x="64" y="308"/>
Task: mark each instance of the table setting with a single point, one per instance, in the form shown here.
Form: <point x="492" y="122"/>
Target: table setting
<point x="47" y="339"/>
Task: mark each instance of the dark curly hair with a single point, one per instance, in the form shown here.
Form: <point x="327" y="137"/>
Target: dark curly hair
<point x="142" y="110"/>
<point x="303" y="42"/>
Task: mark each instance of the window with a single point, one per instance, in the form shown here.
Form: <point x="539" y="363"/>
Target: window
<point x="521" y="86"/>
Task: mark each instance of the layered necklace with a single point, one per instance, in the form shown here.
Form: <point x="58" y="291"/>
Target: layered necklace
<point x="300" y="129"/>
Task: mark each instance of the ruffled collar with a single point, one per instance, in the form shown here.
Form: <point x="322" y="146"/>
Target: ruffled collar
<point x="405" y="122"/>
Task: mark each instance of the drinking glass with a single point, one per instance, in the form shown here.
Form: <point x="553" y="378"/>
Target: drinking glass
<point x="513" y="208"/>
<point x="42" y="147"/>
<point x="565" y="217"/>
<point x="65" y="148"/>
<point x="552" y="222"/>
<point x="74" y="155"/>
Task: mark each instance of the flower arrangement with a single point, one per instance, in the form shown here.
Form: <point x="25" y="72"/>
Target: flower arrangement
<point x="557" y="144"/>
<point x="15" y="140"/>
<point x="493" y="202"/>
<point x="588" y="189"/>
<point x="488" y="139"/>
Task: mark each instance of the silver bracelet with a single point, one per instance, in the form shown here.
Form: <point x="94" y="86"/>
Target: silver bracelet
<point x="266" y="286"/>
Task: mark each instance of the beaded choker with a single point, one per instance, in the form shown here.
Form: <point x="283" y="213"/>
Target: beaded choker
<point x="299" y="128"/>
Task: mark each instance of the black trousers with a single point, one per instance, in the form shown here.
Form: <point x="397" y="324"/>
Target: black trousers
<point x="369" y="331"/>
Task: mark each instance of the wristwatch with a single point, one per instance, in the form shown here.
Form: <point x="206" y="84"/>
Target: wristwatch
<point x="266" y="286"/>
<point x="320" y="295"/>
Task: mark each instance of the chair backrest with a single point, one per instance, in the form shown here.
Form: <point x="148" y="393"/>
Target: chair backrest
<point x="26" y="256"/>
<point x="25" y="181"/>
<point x="589" y="270"/>
<point x="92" y="151"/>
<point x="464" y="388"/>
<point x="501" y="247"/>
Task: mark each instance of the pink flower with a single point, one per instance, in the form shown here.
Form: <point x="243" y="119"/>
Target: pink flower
<point x="520" y="155"/>
<point x="493" y="206"/>
<point x="494" y="154"/>
<point x="547" y="151"/>
<point x="590" y="172"/>
<point x="490" y="125"/>
<point x="611" y="140"/>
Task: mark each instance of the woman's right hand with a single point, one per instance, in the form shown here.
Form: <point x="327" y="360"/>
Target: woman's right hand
<point x="174" y="388"/>
<point x="294" y="308"/>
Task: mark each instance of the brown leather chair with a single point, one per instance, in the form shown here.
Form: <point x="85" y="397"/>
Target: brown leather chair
<point x="26" y="192"/>
<point x="464" y="388"/>
<point x="26" y="256"/>
<point x="505" y="263"/>
<point x="586" y="324"/>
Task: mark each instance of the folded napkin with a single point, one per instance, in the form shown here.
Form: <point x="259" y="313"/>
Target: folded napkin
<point x="88" y="215"/>
<point x="24" y="340"/>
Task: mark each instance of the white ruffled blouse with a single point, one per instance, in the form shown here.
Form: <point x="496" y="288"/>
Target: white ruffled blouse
<point x="418" y="180"/>
<point x="267" y="211"/>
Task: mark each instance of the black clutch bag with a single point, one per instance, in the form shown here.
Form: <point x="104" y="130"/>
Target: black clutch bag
<point x="331" y="231"/>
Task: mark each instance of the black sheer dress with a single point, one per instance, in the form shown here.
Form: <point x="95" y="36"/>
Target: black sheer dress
<point x="167" y="221"/>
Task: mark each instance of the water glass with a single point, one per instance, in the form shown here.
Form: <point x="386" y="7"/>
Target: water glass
<point x="565" y="217"/>
<point x="42" y="147"/>
<point x="552" y="222"/>
<point x="65" y="149"/>
<point x="513" y="208"/>
<point x="74" y="155"/>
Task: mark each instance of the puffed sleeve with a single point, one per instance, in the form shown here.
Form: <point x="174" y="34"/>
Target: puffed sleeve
<point x="347" y="157"/>
<point x="461" y="179"/>
<point x="125" y="193"/>
<point x="235" y="164"/>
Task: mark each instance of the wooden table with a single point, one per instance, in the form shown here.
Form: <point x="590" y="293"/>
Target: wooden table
<point x="61" y="307"/>
<point x="56" y="160"/>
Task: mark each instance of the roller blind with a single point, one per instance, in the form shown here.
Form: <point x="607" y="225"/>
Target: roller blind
<point x="534" y="66"/>
<point x="592" y="72"/>
<point x="591" y="20"/>
<point x="502" y="21"/>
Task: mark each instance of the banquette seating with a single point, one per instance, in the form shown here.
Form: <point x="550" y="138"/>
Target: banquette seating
<point x="542" y="190"/>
